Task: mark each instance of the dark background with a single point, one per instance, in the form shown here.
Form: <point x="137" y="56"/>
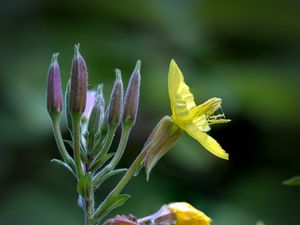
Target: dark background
<point x="246" y="52"/>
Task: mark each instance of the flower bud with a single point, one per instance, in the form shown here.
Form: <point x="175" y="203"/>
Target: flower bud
<point x="54" y="91"/>
<point x="115" y="106"/>
<point x="121" y="220"/>
<point x="90" y="101"/>
<point x="132" y="95"/>
<point x="160" y="141"/>
<point x="67" y="105"/>
<point x="78" y="89"/>
<point x="97" y="114"/>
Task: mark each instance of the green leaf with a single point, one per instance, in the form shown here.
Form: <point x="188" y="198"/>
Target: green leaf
<point x="98" y="144"/>
<point x="100" y="161"/>
<point x="65" y="165"/>
<point x="294" y="181"/>
<point x="85" y="186"/>
<point x="111" y="205"/>
<point x="102" y="176"/>
<point x="70" y="143"/>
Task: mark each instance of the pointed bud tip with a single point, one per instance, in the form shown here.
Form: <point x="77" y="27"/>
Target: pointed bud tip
<point x="118" y="74"/>
<point x="138" y="66"/>
<point x="99" y="89"/>
<point x="76" y="50"/>
<point x="54" y="57"/>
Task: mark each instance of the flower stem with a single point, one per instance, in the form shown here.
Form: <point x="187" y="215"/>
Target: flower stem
<point x="76" y="134"/>
<point x="122" y="183"/>
<point x="117" y="157"/>
<point x="107" y="144"/>
<point x="122" y="145"/>
<point x="89" y="210"/>
<point x="59" y="141"/>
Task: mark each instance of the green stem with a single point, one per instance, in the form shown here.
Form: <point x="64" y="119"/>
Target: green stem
<point x="59" y="141"/>
<point x="122" y="145"/>
<point x="76" y="135"/>
<point x="107" y="144"/>
<point x="125" y="179"/>
<point x="118" y="155"/>
<point x="89" y="210"/>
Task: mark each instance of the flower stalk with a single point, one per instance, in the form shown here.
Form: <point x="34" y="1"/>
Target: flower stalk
<point x="93" y="128"/>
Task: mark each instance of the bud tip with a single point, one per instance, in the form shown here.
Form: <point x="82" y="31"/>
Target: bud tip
<point x="118" y="74"/>
<point x="54" y="57"/>
<point x="138" y="65"/>
<point x="76" y="50"/>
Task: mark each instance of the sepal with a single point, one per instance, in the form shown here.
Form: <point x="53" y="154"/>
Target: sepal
<point x="160" y="141"/>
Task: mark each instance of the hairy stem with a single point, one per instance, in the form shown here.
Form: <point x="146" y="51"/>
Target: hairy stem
<point x="76" y="135"/>
<point x="117" y="157"/>
<point x="122" y="183"/>
<point x="107" y="144"/>
<point x="89" y="210"/>
<point x="60" y="143"/>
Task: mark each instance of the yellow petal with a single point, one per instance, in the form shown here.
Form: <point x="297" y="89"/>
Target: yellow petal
<point x="206" y="141"/>
<point x="182" y="100"/>
<point x="188" y="215"/>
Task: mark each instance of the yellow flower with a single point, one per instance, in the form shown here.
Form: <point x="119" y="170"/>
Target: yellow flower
<point x="188" y="215"/>
<point x="194" y="120"/>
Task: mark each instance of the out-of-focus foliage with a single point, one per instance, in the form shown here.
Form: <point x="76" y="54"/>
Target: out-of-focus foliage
<point x="246" y="52"/>
<point x="294" y="181"/>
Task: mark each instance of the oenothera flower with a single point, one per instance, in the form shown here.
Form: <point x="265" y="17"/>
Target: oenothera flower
<point x="178" y="213"/>
<point x="193" y="119"/>
<point x="186" y="116"/>
<point x="188" y="215"/>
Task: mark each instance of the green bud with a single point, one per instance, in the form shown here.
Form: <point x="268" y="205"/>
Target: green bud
<point x="160" y="141"/>
<point x="97" y="114"/>
<point x="78" y="89"/>
<point x="54" y="91"/>
<point x="132" y="95"/>
<point x="115" y="106"/>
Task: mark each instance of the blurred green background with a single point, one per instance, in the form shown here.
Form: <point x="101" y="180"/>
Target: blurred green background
<point x="246" y="52"/>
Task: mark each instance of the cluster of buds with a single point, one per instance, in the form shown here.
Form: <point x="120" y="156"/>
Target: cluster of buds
<point x="92" y="126"/>
<point x="178" y="213"/>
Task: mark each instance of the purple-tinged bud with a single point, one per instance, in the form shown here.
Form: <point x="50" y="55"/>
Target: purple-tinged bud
<point x="115" y="106"/>
<point x="121" y="220"/>
<point x="78" y="89"/>
<point x="97" y="115"/>
<point x="131" y="101"/>
<point x="54" y="91"/>
<point x="67" y="106"/>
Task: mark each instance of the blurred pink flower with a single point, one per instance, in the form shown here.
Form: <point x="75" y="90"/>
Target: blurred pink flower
<point x="91" y="97"/>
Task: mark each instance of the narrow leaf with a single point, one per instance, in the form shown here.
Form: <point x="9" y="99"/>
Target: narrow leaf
<point x="65" y="165"/>
<point x="100" y="162"/>
<point x="101" y="177"/>
<point x="111" y="205"/>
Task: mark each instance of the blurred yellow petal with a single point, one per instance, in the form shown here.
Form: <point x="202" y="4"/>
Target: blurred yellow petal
<point x="182" y="100"/>
<point x="206" y="141"/>
<point x="188" y="215"/>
